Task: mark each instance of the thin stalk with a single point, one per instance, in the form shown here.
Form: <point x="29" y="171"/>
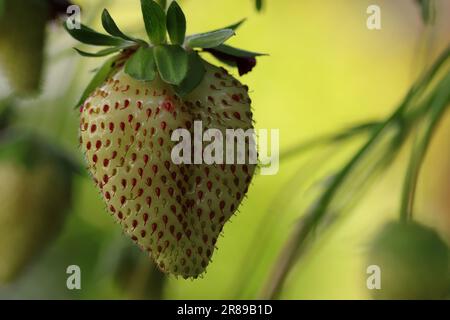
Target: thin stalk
<point x="296" y="243"/>
<point x="421" y="86"/>
<point x="347" y="134"/>
<point x="419" y="152"/>
<point x="328" y="139"/>
<point x="147" y="281"/>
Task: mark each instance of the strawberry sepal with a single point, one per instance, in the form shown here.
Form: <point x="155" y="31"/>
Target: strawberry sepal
<point x="178" y="62"/>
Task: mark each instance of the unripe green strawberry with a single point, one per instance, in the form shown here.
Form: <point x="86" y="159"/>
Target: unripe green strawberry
<point x="174" y="212"/>
<point x="172" y="198"/>
<point x="22" y="37"/>
<point x="35" y="193"/>
<point x="413" y="260"/>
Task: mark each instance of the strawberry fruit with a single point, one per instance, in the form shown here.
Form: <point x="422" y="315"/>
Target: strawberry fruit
<point x="414" y="262"/>
<point x="174" y="211"/>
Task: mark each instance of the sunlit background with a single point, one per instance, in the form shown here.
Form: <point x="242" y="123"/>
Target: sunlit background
<point x="326" y="71"/>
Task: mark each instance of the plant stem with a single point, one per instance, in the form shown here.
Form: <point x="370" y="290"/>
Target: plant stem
<point x="147" y="281"/>
<point x="296" y="242"/>
<point x="439" y="104"/>
<point x="331" y="138"/>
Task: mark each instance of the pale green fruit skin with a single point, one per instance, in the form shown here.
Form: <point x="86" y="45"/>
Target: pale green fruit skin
<point x="180" y="238"/>
<point x="22" y="38"/>
<point x="414" y="263"/>
<point x="33" y="203"/>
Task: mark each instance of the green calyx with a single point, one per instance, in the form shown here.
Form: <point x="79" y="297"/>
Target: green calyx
<point x="169" y="52"/>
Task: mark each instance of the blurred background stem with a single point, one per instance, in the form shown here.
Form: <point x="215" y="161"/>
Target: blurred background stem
<point x="439" y="106"/>
<point x="297" y="241"/>
<point x="146" y="282"/>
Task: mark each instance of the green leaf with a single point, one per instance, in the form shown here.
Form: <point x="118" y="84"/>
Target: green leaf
<point x="194" y="77"/>
<point x="89" y="36"/>
<point x="98" y="79"/>
<point x="141" y="66"/>
<point x="162" y="3"/>
<point x="155" y="21"/>
<point x="176" y="23"/>
<point x="238" y="52"/>
<point x="245" y="61"/>
<point x="428" y="8"/>
<point x="111" y="27"/>
<point x="102" y="53"/>
<point x="210" y="39"/>
<point x="259" y="5"/>
<point x="236" y="25"/>
<point x="172" y="63"/>
<point x="7" y="113"/>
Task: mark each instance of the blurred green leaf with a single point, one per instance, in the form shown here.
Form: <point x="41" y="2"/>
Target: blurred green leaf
<point x="2" y="7"/>
<point x="7" y="112"/>
<point x="176" y="23"/>
<point x="172" y="63"/>
<point x="155" y="21"/>
<point x="209" y="39"/>
<point x="259" y="5"/>
<point x="428" y="10"/>
<point x="141" y="65"/>
<point x="30" y="148"/>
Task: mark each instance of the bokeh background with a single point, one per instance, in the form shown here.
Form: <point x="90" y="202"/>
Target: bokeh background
<point x="325" y="71"/>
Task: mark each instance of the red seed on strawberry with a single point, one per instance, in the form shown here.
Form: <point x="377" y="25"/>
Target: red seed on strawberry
<point x="163" y="199"/>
